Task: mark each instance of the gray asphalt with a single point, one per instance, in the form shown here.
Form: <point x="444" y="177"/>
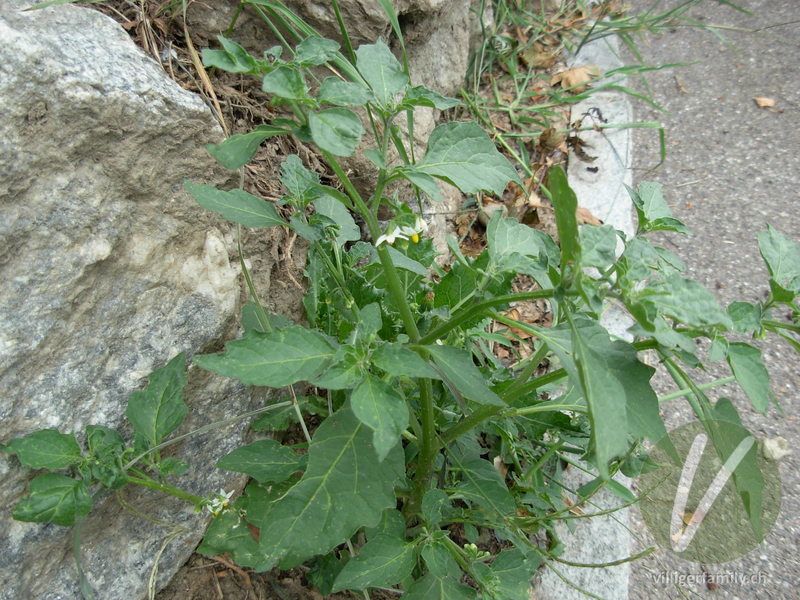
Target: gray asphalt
<point x="731" y="168"/>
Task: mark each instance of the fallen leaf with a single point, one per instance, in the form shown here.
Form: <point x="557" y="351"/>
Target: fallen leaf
<point x="585" y="217"/>
<point x="537" y="57"/>
<point x="764" y="102"/>
<point x="576" y="79"/>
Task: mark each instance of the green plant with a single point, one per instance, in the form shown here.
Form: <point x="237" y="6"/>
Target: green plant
<point x="423" y="438"/>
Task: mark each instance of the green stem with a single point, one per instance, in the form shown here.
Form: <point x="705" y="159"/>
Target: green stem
<point x="372" y="222"/>
<point x="147" y="482"/>
<point x="704" y="386"/>
<point x="469" y="312"/>
<point x="428" y="450"/>
<point x="779" y="325"/>
<point x="529" y="370"/>
<point x="398" y="294"/>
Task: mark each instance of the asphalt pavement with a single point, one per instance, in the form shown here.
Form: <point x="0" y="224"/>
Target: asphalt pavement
<point x="731" y="168"/>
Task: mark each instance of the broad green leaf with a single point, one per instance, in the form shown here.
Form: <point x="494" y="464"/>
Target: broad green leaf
<point x="230" y="533"/>
<point x="159" y="409"/>
<point x="382" y="562"/>
<point x="336" y="211"/>
<point x="266" y="461"/>
<point x="652" y="211"/>
<point x="745" y="316"/>
<point x="512" y="245"/>
<point x="106" y="446"/>
<point x="343" y="93"/>
<point x="462" y="154"/>
<point x="382" y="71"/>
<point x="343" y="375"/>
<point x="54" y="498"/>
<point x="382" y="409"/>
<point x="457" y="366"/>
<point x="433" y="504"/>
<point x="483" y="485"/>
<point x="421" y="96"/>
<point x="310" y="233"/>
<point x="424" y="182"/>
<point x="46" y="449"/>
<point x="401" y="261"/>
<point x="251" y="319"/>
<point x="750" y="373"/>
<point x="235" y="205"/>
<point x="392" y="524"/>
<point x="782" y="257"/>
<point x="565" y="204"/>
<point x="399" y="361"/>
<point x="344" y="487"/>
<point x="431" y="587"/>
<point x="272" y="359"/>
<point x="241" y="147"/>
<point x="232" y="58"/>
<point x="336" y="130"/>
<point x="509" y="576"/>
<point x="686" y="301"/>
<point x="298" y="181"/>
<point x="315" y="50"/>
<point x="285" y="82"/>
<point x="617" y="389"/>
<point x="439" y="561"/>
<point x="598" y="246"/>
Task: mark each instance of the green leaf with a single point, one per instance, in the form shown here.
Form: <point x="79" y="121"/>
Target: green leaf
<point x="431" y="587"/>
<point x="343" y="375"/>
<point x="509" y="576"/>
<point x="483" y="485"/>
<point x="298" y="181"/>
<point x="272" y="359"/>
<point x="336" y="130"/>
<point x="251" y="319"/>
<point x="745" y="316"/>
<point x="106" y="447"/>
<point x="240" y="148"/>
<point x="512" y="245"/>
<point x="345" y="487"/>
<point x="565" y="204"/>
<point x="392" y="524"/>
<point x="782" y="257"/>
<point x="686" y="301"/>
<point x="421" y="96"/>
<point x="286" y="82"/>
<point x="457" y="366"/>
<point x="598" y="246"/>
<point x="617" y="389"/>
<point x="399" y="361"/>
<point x="424" y="182"/>
<point x="235" y="205"/>
<point x="382" y="71"/>
<point x="46" y="449"/>
<point x="750" y="373"/>
<point x="232" y="58"/>
<point x="401" y="261"/>
<point x="382" y="409"/>
<point x="439" y="561"/>
<point x="343" y="93"/>
<point x="462" y="154"/>
<point x="158" y="410"/>
<point x="652" y="211"/>
<point x="266" y="461"/>
<point x="54" y="498"/>
<point x="337" y="212"/>
<point x="433" y="504"/>
<point x="382" y="562"/>
<point x="315" y="50"/>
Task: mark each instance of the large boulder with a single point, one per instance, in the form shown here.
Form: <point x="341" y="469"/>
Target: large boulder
<point x="108" y="270"/>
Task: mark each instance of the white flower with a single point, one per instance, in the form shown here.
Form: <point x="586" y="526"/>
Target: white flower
<point x="218" y="503"/>
<point x="404" y="232"/>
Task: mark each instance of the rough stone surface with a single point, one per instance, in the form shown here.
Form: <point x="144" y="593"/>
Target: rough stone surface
<point x="108" y="270"/>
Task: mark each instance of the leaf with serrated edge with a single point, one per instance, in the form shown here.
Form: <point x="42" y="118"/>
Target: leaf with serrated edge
<point x="382" y="409"/>
<point x="158" y="410"/>
<point x="235" y="205"/>
<point x="457" y="366"/>
<point x="272" y="359"/>
<point x="46" y="449"/>
<point x="463" y="155"/>
<point x="382" y="562"/>
<point x="54" y="498"/>
<point x="264" y="460"/>
<point x="750" y="373"/>
<point x="782" y="256"/>
<point x="345" y="487"/>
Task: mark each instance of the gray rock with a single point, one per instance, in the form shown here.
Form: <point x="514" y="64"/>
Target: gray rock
<point x="108" y="270"/>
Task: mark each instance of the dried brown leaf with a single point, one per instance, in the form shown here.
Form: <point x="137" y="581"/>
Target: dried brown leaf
<point x="764" y="102"/>
<point x="576" y="78"/>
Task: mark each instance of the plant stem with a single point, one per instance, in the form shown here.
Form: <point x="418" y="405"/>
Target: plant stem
<point x="706" y="386"/>
<point x="147" y="482"/>
<point x="428" y="450"/>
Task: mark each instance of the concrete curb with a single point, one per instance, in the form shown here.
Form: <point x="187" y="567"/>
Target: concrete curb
<point x="600" y="187"/>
